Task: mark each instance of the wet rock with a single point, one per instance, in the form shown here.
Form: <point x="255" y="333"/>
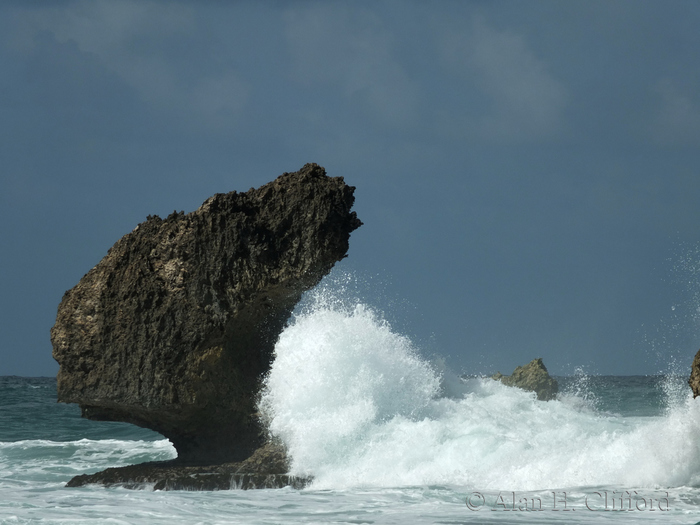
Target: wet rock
<point x="266" y="469"/>
<point x="694" y="380"/>
<point x="532" y="377"/>
<point x="175" y="327"/>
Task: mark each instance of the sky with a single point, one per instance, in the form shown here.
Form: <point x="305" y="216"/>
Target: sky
<point x="528" y="173"/>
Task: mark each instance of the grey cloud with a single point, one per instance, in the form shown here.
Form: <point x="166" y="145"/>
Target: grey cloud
<point x="677" y="120"/>
<point x="128" y="39"/>
<point x="518" y="173"/>
<point x="525" y="101"/>
<point x="351" y="50"/>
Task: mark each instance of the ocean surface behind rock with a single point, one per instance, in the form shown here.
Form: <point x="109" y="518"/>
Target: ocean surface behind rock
<point x="175" y="327"/>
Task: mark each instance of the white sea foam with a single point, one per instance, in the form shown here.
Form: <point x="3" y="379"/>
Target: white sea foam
<point x="357" y="406"/>
<point x="51" y="461"/>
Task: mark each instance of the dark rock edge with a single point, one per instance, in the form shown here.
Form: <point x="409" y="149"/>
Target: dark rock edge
<point x="267" y="468"/>
<point x="164" y="476"/>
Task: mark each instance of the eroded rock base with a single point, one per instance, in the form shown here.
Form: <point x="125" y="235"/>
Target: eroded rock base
<point x="167" y="476"/>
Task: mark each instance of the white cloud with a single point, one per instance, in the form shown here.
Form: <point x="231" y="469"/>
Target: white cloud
<point x="526" y="101"/>
<point x="352" y="51"/>
<point x="120" y="33"/>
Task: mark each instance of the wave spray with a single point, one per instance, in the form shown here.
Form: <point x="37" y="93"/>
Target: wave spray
<point x="357" y="406"/>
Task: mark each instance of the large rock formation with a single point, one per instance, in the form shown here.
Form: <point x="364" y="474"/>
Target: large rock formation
<point x="532" y="377"/>
<point x="694" y="380"/>
<point x="175" y="327"/>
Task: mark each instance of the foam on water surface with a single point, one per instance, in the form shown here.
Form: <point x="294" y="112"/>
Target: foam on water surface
<point x="52" y="461"/>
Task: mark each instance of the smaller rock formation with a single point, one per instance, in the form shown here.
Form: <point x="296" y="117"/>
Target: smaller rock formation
<point x="694" y="380"/>
<point x="534" y="378"/>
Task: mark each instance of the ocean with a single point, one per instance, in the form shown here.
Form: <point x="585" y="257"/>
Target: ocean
<point x="389" y="437"/>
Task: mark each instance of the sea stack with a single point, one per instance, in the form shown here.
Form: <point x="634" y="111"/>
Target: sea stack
<point x="175" y="327"/>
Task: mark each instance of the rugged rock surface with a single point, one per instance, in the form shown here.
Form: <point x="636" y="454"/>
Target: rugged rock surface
<point x="175" y="327"/>
<point x="532" y="377"/>
<point x="694" y="380"/>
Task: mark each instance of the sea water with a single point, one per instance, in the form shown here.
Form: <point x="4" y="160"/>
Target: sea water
<point x="388" y="436"/>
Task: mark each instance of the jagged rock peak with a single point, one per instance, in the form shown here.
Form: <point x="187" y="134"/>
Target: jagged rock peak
<point x="532" y="377"/>
<point x="173" y="329"/>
